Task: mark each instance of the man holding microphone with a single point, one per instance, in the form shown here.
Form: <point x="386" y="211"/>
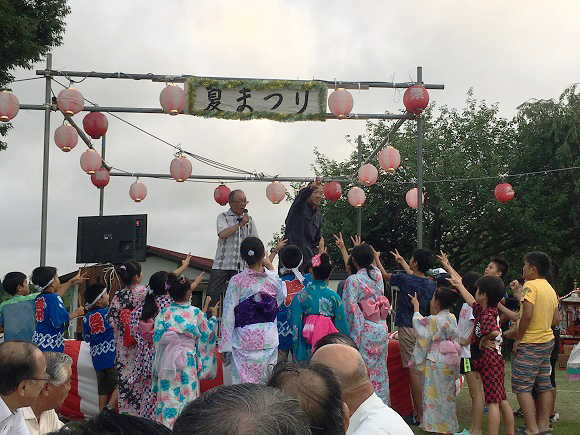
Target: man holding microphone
<point x="233" y="226"/>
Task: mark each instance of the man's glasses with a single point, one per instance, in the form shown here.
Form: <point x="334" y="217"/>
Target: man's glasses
<point x="46" y="378"/>
<point x="240" y="201"/>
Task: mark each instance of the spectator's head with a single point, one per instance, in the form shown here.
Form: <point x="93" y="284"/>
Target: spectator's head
<point x="252" y="250"/>
<point x="351" y="370"/>
<point x="96" y="296"/>
<point x="179" y="287"/>
<point x="422" y="260"/>
<point x="130" y="273"/>
<point x="15" y="283"/>
<point x="443" y="299"/>
<point x="158" y="285"/>
<point x="59" y="369"/>
<point x="243" y="409"/>
<point x="490" y="290"/>
<point x="45" y="279"/>
<point x="335" y="338"/>
<point x="238" y="201"/>
<point x="290" y="256"/>
<point x="321" y="266"/>
<point x="469" y="279"/>
<point x="109" y="423"/>
<point x="536" y="265"/>
<point x="497" y="267"/>
<point x="22" y="373"/>
<point x="318" y="391"/>
<point x="363" y="258"/>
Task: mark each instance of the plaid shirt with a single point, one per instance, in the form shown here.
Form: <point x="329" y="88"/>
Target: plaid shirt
<point x="227" y="256"/>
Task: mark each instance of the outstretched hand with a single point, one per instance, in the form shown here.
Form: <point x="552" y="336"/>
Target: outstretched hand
<point x="186" y="260"/>
<point x="443" y="259"/>
<point x="321" y="248"/>
<point x="455" y="281"/>
<point x="78" y="278"/>
<point x="281" y="243"/>
<point x="356" y="240"/>
<point x="339" y="241"/>
<point x="196" y="281"/>
<point x="414" y="301"/>
<point x="398" y="257"/>
<point x="214" y="310"/>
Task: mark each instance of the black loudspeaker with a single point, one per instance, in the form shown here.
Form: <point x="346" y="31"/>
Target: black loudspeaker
<point x="111" y="239"/>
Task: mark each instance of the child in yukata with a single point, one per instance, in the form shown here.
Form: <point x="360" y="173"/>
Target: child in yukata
<point x="249" y="333"/>
<point x="437" y="356"/>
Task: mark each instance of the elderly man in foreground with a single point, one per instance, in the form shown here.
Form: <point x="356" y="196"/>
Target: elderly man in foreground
<point x="368" y="413"/>
<point x="22" y="377"/>
<point x="41" y="418"/>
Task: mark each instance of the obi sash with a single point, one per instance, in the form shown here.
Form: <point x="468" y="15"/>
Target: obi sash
<point x="146" y="330"/>
<point x="317" y="326"/>
<point x="375" y="311"/>
<point x="171" y="354"/>
<point x="449" y="349"/>
<point x="258" y="308"/>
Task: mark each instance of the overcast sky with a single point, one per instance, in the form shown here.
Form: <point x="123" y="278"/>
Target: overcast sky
<point x="508" y="52"/>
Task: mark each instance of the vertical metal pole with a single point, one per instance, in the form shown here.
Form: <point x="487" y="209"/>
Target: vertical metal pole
<point x="359" y="209"/>
<point x="47" y="105"/>
<point x="102" y="189"/>
<point x="419" y="169"/>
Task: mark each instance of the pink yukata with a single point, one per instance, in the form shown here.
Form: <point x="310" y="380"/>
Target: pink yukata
<point x="249" y="330"/>
<point x="366" y="309"/>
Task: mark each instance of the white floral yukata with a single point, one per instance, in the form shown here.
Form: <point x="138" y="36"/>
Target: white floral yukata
<point x="247" y="331"/>
<point x="437" y="356"/>
<point x="370" y="337"/>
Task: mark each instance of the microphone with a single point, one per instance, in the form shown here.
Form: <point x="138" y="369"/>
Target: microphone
<point x="245" y="211"/>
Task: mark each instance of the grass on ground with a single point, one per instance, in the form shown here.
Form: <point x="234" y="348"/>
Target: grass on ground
<point x="567" y="405"/>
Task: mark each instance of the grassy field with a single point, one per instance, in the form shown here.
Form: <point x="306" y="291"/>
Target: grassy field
<point x="567" y="405"/>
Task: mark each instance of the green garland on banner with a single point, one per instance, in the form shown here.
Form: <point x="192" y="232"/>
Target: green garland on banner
<point x="259" y="85"/>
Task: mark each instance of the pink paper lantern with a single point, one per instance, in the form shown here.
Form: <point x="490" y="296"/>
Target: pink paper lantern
<point x="138" y="191"/>
<point x="416" y="99"/>
<point x="66" y="137"/>
<point x="172" y="99"/>
<point x="221" y="194"/>
<point x="101" y="178"/>
<point x="180" y="169"/>
<point x="504" y="192"/>
<point x="356" y="197"/>
<point x="332" y="191"/>
<point x="275" y="192"/>
<point x="340" y="103"/>
<point x="368" y="174"/>
<point x="412" y="198"/>
<point x="91" y="161"/>
<point x="389" y="159"/>
<point x="70" y="101"/>
<point x="95" y="124"/>
<point x="9" y="106"/>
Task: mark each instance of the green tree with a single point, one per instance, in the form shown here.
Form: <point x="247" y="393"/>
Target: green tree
<point x="462" y="216"/>
<point x="29" y="29"/>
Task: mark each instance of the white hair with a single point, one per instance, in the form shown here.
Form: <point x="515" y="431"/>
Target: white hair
<point x="55" y="367"/>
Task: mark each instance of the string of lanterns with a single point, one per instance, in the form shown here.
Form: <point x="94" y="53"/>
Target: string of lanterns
<point x="173" y="98"/>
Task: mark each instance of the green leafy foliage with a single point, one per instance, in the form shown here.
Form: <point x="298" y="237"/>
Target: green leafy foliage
<point x="29" y="29"/>
<point x="463" y="217"/>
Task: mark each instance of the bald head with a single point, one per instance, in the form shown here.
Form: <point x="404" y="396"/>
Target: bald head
<point x="346" y="362"/>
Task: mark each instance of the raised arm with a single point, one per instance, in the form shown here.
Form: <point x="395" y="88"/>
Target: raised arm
<point x="399" y="259"/>
<point x="455" y="281"/>
<point x="77" y="279"/>
<point x="507" y="312"/>
<point x="281" y="243"/>
<point x="444" y="260"/>
<point x="184" y="264"/>
<point x="339" y="241"/>
<point x="386" y="275"/>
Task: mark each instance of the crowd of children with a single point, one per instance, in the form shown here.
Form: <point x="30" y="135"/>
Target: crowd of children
<point x="270" y="316"/>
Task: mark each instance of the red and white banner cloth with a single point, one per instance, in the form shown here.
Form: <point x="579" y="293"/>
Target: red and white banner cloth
<point x="83" y="398"/>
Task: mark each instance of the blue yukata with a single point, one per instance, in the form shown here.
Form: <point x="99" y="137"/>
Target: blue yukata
<point x="99" y="334"/>
<point x="51" y="317"/>
<point x="17" y="315"/>
<point x="366" y="311"/>
<point x="185" y="352"/>
<point x="315" y="300"/>
<point x="293" y="286"/>
<point x="437" y="356"/>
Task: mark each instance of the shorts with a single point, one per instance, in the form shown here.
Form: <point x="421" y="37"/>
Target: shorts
<point x="407" y="340"/>
<point x="531" y="368"/>
<point x="217" y="283"/>
<point x="465" y="366"/>
<point x="492" y="377"/>
<point x="106" y="381"/>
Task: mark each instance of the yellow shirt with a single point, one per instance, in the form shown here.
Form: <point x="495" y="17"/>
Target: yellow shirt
<point x="541" y="294"/>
